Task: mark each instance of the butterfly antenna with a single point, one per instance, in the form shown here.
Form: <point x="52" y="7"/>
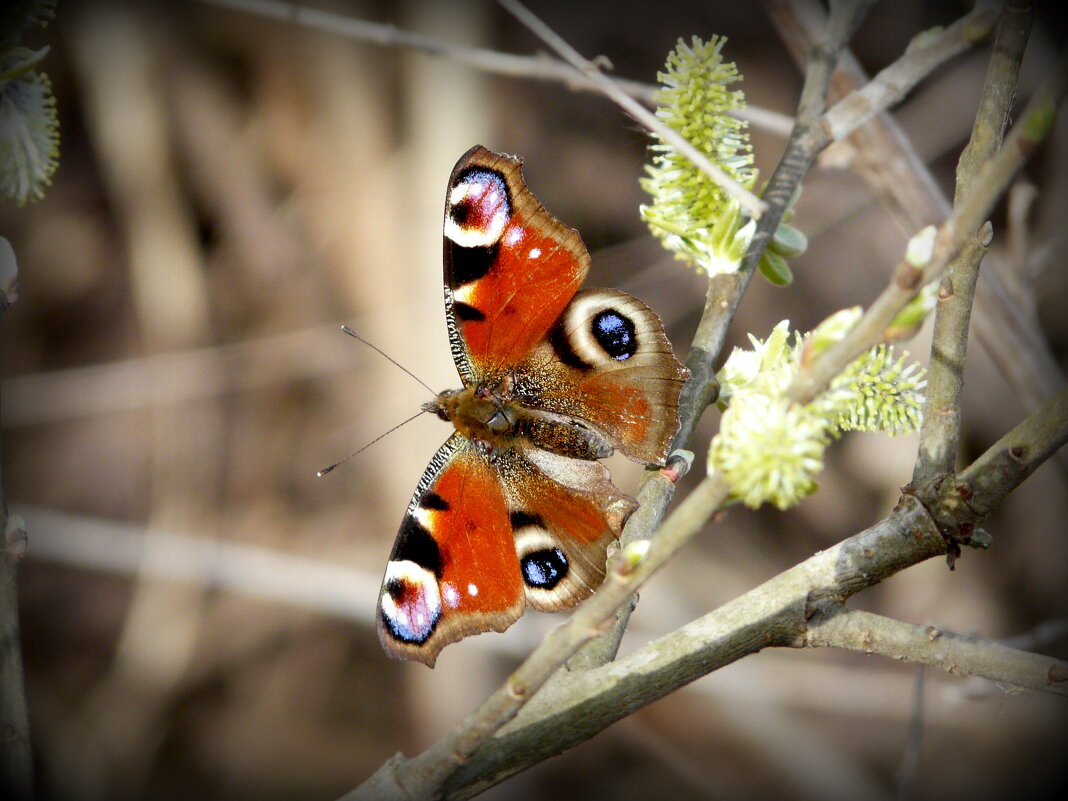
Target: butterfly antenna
<point x="339" y="462"/>
<point x="354" y="335"/>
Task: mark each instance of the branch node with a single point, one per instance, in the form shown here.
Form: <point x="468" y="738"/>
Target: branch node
<point x="945" y="288"/>
<point x="908" y="276"/>
<point x="985" y="234"/>
<point x="630" y="556"/>
<point x="980" y="539"/>
<point x="517" y="690"/>
<point x="15" y="539"/>
<point x="678" y="465"/>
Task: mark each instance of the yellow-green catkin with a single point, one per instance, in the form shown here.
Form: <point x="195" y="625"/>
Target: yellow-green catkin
<point x="689" y="212"/>
<point x="769" y="448"/>
<point x="29" y="129"/>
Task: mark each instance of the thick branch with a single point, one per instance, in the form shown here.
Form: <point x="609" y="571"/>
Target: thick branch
<point x="775" y="613"/>
<point x="779" y="612"/>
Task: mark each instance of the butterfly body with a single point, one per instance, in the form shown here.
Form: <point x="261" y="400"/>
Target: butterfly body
<point x="515" y="508"/>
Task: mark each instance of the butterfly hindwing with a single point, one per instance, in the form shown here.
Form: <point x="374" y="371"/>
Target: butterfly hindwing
<point x="607" y="361"/>
<point x="471" y="547"/>
<point x="565" y="513"/>
<point x="453" y="571"/>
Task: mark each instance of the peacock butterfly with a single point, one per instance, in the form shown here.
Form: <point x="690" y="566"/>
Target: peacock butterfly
<point x="514" y="508"/>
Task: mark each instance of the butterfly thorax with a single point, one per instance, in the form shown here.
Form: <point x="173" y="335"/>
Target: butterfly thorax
<point x="480" y="414"/>
<point x="494" y="419"/>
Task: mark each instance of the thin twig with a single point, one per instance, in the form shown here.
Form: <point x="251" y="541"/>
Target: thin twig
<point x="910" y="762"/>
<point x="857" y="630"/>
<point x="539" y="67"/>
<point x="888" y="162"/>
<point x="490" y="61"/>
<point x="926" y="52"/>
<point x="962" y="225"/>
<point x="753" y="205"/>
<point x="940" y="432"/>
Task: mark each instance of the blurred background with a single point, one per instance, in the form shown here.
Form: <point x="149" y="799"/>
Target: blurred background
<point x="197" y="606"/>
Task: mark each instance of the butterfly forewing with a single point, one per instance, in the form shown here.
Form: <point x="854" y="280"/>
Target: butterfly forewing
<point x="510" y="266"/>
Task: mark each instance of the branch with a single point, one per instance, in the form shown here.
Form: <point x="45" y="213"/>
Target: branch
<point x="940" y="432"/>
<point x="780" y="612"/>
<point x="887" y="161"/>
<point x="539" y="67"/>
<point x="868" y="633"/>
<point x="423" y="776"/>
<point x="963" y="224"/>
<point x="16" y="755"/>
<point x="753" y="205"/>
<point x="927" y="51"/>
<point x="977" y="490"/>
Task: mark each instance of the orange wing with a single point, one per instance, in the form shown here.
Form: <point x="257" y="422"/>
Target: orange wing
<point x="565" y="513"/>
<point x="510" y="266"/>
<point x="607" y="361"/>
<point x="453" y="571"/>
<point x="473" y="550"/>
